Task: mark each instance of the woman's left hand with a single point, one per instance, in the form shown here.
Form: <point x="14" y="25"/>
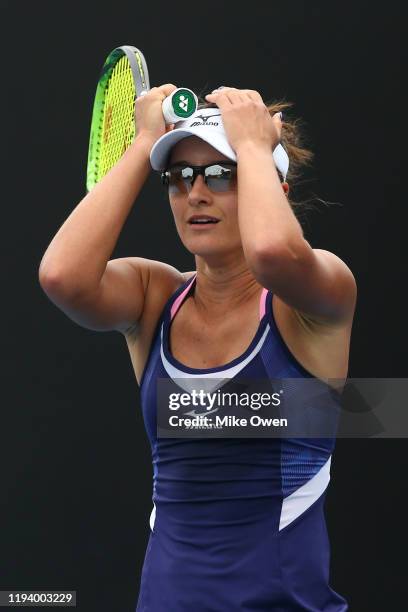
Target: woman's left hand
<point x="246" y="118"/>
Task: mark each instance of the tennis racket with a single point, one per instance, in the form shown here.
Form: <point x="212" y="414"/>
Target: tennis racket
<point x="123" y="78"/>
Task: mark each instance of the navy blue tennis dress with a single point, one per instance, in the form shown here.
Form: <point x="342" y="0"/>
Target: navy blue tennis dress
<point x="237" y="523"/>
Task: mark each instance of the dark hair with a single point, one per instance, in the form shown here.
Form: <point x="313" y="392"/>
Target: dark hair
<point x="293" y="140"/>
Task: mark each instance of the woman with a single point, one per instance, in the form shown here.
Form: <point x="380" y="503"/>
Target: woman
<point x="237" y="523"/>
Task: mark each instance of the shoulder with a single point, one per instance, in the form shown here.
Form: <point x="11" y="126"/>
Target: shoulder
<point x="327" y="292"/>
<point x="323" y="300"/>
<point x="335" y="261"/>
<point x="161" y="281"/>
<point x="341" y="287"/>
<point x="187" y="275"/>
<point x="164" y="279"/>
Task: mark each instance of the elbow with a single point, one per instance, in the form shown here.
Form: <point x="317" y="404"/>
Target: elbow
<point x="45" y="277"/>
<point x="56" y="284"/>
<point x="51" y="283"/>
<point x="49" y="277"/>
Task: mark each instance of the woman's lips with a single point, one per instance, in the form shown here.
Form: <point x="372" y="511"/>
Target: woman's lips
<point x="201" y="226"/>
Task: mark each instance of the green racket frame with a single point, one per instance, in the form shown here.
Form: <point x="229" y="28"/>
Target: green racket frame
<point x="141" y="83"/>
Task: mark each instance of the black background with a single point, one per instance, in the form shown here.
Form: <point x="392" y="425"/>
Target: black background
<point x="76" y="472"/>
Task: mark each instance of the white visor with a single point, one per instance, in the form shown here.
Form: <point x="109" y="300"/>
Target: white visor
<point x="206" y="123"/>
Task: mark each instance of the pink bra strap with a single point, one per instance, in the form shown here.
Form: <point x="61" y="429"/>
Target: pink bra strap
<point x="262" y="303"/>
<point x="180" y="298"/>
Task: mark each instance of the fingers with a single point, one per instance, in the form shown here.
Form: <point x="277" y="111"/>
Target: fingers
<point x="254" y="95"/>
<point x="223" y="96"/>
<point x="167" y="89"/>
<point x="227" y="95"/>
<point x="163" y="90"/>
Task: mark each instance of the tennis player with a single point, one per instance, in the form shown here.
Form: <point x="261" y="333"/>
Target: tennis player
<point x="237" y="524"/>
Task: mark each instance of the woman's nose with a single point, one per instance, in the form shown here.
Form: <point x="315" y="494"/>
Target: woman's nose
<point x="198" y="180"/>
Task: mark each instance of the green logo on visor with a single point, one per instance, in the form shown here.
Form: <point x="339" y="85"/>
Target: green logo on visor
<point x="183" y="103"/>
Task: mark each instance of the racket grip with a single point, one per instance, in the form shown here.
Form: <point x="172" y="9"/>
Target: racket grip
<point x="180" y="105"/>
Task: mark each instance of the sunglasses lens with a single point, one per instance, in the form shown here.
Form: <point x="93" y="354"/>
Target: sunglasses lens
<point x="179" y="179"/>
<point x="221" y="178"/>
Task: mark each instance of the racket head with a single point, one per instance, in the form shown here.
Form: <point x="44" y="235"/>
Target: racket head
<point x="123" y="77"/>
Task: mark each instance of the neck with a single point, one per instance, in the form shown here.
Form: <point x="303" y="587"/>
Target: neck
<point x="222" y="289"/>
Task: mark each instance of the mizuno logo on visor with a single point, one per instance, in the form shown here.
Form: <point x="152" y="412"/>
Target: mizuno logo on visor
<point x="204" y="120"/>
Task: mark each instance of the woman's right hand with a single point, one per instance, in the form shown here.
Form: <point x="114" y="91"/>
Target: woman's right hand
<point x="149" y="118"/>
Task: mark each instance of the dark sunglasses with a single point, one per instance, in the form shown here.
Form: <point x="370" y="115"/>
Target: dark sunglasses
<point x="218" y="176"/>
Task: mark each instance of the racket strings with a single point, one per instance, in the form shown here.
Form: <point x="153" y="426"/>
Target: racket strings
<point x="118" y="125"/>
